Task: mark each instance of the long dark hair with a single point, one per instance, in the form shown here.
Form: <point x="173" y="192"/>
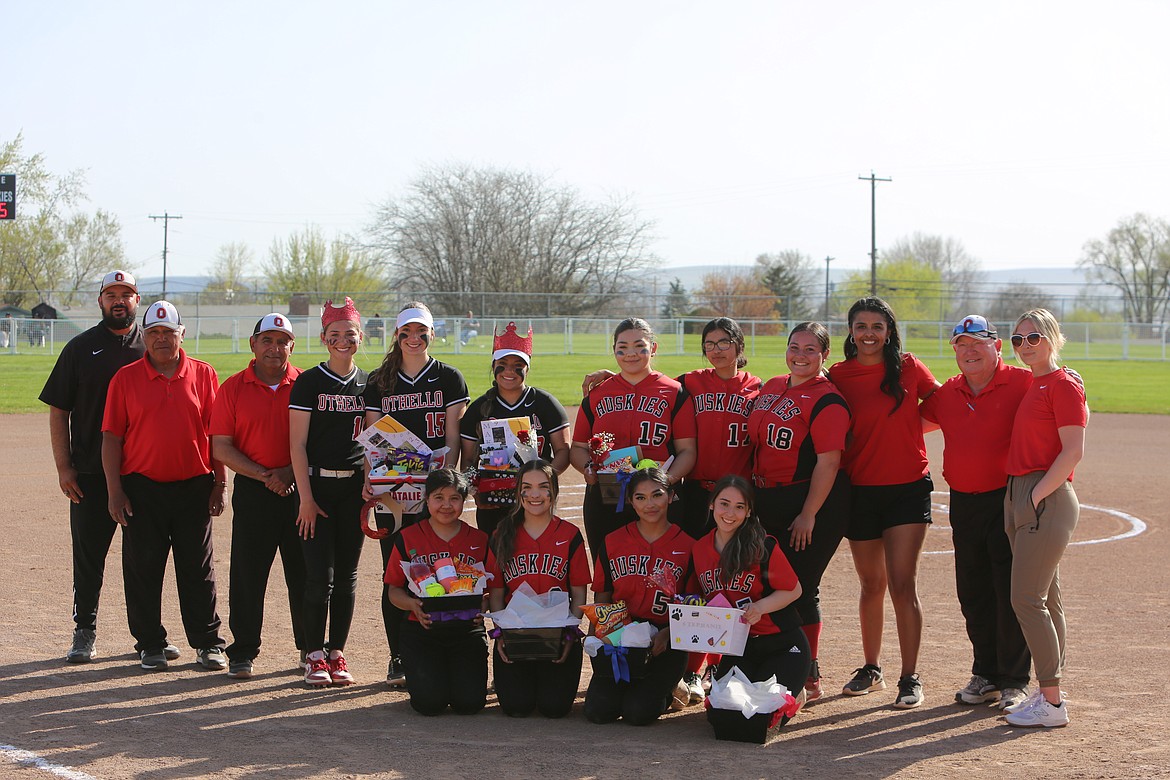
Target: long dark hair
<point x="891" y="352"/>
<point x="734" y="332"/>
<point x="504" y="539"/>
<point x="446" y="478"/>
<point x="385" y="377"/>
<point x="746" y="548"/>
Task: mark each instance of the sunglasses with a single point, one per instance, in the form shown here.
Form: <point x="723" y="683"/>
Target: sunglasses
<point x="722" y="345"/>
<point x="969" y="328"/>
<point x="1032" y="338"/>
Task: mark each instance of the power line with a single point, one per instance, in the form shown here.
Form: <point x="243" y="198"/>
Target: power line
<point x="873" y="180"/>
<point x="166" y="218"/>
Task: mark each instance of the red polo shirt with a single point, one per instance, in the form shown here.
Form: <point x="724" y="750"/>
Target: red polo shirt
<point x="163" y="422"/>
<point x="255" y="416"/>
<point x="977" y="429"/>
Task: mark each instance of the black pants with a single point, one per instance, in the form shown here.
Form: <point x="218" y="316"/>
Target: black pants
<point x="331" y="562"/>
<point x="548" y="688"/>
<point x="169" y="515"/>
<point x="983" y="580"/>
<point x="638" y="702"/>
<point x="486" y="520"/>
<point x="785" y="655"/>
<point x="92" y="530"/>
<point x="392" y="616"/>
<point x="601" y="519"/>
<point x="692" y="510"/>
<point x="446" y="666"/>
<point x="262" y="523"/>
<point x="778" y="507"/>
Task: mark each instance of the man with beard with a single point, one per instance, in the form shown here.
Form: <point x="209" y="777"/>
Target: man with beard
<point x="76" y="395"/>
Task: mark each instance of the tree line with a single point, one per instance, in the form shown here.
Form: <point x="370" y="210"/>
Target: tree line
<point x="457" y="231"/>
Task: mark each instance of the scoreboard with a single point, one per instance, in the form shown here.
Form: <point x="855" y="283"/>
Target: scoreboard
<point x="7" y="196"/>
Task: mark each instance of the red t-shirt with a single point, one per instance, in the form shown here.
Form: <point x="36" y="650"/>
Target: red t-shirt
<point x="626" y="561"/>
<point x="977" y="429"/>
<point x="555" y="560"/>
<point x="722" y="407"/>
<point x="1053" y="401"/>
<point x="748" y="586"/>
<point x="790" y="426"/>
<point x="255" y="416"/>
<point x="469" y="545"/>
<point x="887" y="446"/>
<point x="650" y="414"/>
<point x="163" y="422"/>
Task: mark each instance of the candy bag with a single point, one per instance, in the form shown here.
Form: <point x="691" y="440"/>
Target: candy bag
<point x="607" y="617"/>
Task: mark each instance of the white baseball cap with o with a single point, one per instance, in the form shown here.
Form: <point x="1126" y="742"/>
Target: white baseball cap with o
<point x="162" y="314"/>
<point x="118" y="278"/>
<point x="274" y="321"/>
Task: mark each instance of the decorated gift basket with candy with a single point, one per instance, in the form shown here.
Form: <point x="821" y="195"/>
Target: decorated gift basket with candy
<point x="399" y="464"/>
<point x="449" y="588"/>
<point x="507" y="444"/>
<point x="614" y="467"/>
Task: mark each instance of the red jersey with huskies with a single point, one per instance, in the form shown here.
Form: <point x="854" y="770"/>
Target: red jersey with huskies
<point x="469" y="545"/>
<point x="722" y="407"/>
<point x="790" y="426"/>
<point x="760" y="580"/>
<point x="626" y="561"/>
<point x="555" y="560"/>
<point x="1054" y="401"/>
<point x="887" y="446"/>
<point x="650" y="414"/>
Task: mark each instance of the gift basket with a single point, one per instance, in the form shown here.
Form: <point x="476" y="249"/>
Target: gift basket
<point x="534" y="627"/>
<point x="740" y="710"/>
<point x="399" y="464"/>
<point x="614" y="467"/>
<point x="507" y="444"/>
<point x="450" y="589"/>
<point x="619" y="646"/>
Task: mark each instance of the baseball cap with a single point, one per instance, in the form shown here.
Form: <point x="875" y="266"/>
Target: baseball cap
<point x="114" y="278"/>
<point x="407" y="316"/>
<point x="976" y="326"/>
<point x="162" y="313"/>
<point x="274" y="321"/>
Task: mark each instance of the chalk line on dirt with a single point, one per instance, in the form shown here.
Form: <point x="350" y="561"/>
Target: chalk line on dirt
<point x="27" y="758"/>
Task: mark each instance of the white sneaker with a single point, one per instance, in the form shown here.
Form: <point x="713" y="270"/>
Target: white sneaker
<point x="694" y="683"/>
<point x="979" y="691"/>
<point x="1010" y="697"/>
<point x="1041" y="714"/>
<point x="1033" y="699"/>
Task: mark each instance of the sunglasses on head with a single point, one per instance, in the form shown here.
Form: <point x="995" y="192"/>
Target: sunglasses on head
<point x="969" y="328"/>
<point x="1032" y="338"/>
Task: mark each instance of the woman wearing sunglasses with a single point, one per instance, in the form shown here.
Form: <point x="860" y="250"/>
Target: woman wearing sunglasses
<point x="1041" y="508"/>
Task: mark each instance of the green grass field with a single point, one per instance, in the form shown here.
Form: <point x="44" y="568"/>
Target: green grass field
<point x="1130" y="386"/>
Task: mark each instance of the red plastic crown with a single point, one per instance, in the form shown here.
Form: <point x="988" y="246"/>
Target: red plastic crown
<point x="332" y="312"/>
<point x="510" y="339"/>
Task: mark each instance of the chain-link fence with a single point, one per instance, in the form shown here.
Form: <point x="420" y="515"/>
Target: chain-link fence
<point x="580" y="336"/>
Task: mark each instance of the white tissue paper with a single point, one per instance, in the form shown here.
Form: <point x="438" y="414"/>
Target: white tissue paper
<point x="637" y="634"/>
<point x="734" y="691"/>
<point x="527" y="609"/>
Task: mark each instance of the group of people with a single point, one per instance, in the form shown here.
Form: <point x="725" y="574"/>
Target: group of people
<point x="756" y="485"/>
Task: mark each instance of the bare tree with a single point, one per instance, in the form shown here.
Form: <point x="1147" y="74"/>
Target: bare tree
<point x="960" y="271"/>
<point x="92" y="246"/>
<point x="1135" y="258"/>
<point x="462" y="230"/>
<point x="740" y="295"/>
<point x="789" y="275"/>
<point x="232" y="263"/>
<point x="1013" y="299"/>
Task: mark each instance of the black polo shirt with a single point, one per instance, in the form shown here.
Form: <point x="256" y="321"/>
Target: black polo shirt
<point x="78" y="384"/>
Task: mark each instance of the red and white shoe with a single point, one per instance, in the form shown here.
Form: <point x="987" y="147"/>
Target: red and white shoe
<point x="317" y="670"/>
<point x="338" y="672"/>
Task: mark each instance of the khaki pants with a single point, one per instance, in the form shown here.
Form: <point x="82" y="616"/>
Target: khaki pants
<point x="1038" y="536"/>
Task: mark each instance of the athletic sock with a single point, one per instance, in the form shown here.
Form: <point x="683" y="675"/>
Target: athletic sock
<point x="812" y="632"/>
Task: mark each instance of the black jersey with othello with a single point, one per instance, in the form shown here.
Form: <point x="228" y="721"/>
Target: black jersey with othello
<point x="420" y="403"/>
<point x="545" y="411"/>
<point x="336" y="416"/>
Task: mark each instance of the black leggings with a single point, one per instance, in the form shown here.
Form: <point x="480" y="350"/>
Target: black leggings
<point x="446" y="666"/>
<point x="392" y="616"/>
<point x="638" y="702"/>
<point x="778" y="507"/>
<point x="602" y="519"/>
<point x="548" y="688"/>
<point x="331" y="562"/>
<point x="785" y="655"/>
<point x="692" y="511"/>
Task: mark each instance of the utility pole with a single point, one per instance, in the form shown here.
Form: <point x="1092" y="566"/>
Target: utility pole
<point x="827" y="261"/>
<point x="166" y="218"/>
<point x="873" y="180"/>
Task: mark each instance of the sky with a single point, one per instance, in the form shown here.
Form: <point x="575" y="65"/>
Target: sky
<point x="1023" y="129"/>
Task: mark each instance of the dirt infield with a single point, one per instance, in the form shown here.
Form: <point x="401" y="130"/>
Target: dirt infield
<point x="109" y="719"/>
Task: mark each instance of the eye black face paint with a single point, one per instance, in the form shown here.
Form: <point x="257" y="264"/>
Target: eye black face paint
<point x="498" y="369"/>
<point x="426" y="337"/>
<point x="403" y="335"/>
